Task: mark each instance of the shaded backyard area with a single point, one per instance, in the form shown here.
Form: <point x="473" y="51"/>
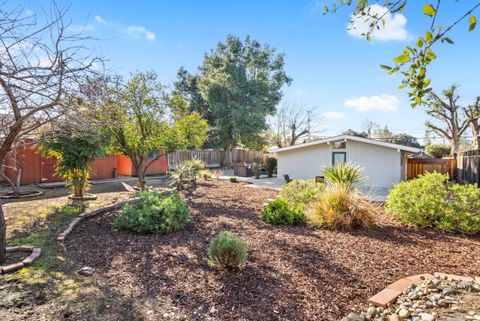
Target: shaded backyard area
<point x="292" y="273"/>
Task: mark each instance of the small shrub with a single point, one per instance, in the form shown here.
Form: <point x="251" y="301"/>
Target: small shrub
<point x="438" y="151"/>
<point x="227" y="251"/>
<point x="299" y="192"/>
<point x="429" y="201"/>
<point x="419" y="202"/>
<point x="206" y="175"/>
<point x="257" y="167"/>
<point x="345" y="175"/>
<point x="279" y="213"/>
<point x="233" y="180"/>
<point x="155" y="213"/>
<point x="341" y="208"/>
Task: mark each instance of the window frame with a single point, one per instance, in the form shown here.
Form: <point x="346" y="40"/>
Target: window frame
<point x="344" y="157"/>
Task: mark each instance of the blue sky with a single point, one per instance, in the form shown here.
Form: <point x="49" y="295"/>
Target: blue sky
<point x="331" y="69"/>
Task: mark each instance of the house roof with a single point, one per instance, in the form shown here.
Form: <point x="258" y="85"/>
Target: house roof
<point x="346" y="138"/>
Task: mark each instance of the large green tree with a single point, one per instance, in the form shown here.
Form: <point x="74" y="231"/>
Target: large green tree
<point x="238" y="86"/>
<point x="140" y="121"/>
<point x="414" y="60"/>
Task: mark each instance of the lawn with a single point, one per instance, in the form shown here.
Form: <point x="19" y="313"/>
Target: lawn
<point x="292" y="273"/>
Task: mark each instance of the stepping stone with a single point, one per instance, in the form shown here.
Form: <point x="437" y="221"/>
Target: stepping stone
<point x="400" y="285"/>
<point x="384" y="297"/>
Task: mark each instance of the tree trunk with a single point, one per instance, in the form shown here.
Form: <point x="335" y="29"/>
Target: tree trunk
<point x="137" y="163"/>
<point x="476" y="133"/>
<point x="455" y="146"/>
<point x="3" y="235"/>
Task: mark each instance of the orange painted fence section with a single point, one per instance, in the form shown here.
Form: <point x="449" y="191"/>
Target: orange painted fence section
<point x="416" y="167"/>
<point x="41" y="169"/>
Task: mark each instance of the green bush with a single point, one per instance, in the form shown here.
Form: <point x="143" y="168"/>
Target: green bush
<point x="463" y="212"/>
<point x="429" y="201"/>
<point x="233" y="180"/>
<point x="438" y="151"/>
<point x="227" y="251"/>
<point x="299" y="192"/>
<point x="419" y="202"/>
<point x="279" y="213"/>
<point x="155" y="213"/>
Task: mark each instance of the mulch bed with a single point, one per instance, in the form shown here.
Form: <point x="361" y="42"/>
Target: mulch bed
<point x="293" y="273"/>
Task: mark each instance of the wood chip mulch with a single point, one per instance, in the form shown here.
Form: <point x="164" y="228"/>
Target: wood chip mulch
<point x="293" y="273"/>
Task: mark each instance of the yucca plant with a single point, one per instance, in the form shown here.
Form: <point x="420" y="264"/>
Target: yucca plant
<point x="345" y="175"/>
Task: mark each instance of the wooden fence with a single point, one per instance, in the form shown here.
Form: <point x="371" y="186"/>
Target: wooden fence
<point x="214" y="157"/>
<point x="415" y="167"/>
<point x="468" y="167"/>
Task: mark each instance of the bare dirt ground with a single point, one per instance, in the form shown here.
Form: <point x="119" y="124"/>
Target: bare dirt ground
<point x="293" y="273"/>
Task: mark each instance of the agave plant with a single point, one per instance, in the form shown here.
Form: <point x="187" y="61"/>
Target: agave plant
<point x="345" y="175"/>
<point x="181" y="175"/>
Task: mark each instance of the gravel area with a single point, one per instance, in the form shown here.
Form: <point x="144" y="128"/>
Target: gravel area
<point x="292" y="273"/>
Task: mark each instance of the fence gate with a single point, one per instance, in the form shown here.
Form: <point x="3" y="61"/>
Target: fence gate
<point x="468" y="167"/>
<point x="416" y="167"/>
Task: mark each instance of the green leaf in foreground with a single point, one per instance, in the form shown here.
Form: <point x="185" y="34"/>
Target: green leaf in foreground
<point x="429" y="10"/>
<point x="473" y="23"/>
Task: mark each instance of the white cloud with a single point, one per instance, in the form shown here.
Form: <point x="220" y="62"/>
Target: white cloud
<point x="383" y="103"/>
<point x="102" y="21"/>
<point x="394" y="28"/>
<point x="140" y="32"/>
<point x="81" y="28"/>
<point x="334" y="115"/>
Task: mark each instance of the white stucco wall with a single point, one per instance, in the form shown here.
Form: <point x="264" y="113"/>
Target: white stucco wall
<point x="381" y="165"/>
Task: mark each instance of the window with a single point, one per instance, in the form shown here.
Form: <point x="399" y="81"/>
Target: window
<point x="339" y="158"/>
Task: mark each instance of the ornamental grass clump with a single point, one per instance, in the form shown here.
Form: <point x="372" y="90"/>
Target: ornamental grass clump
<point x="227" y="251"/>
<point x="154" y="213"/>
<point x="346" y="175"/>
<point x="340" y="208"/>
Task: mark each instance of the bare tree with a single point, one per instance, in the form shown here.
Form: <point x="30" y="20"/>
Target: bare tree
<point x="473" y="114"/>
<point x="41" y="68"/>
<point x="450" y="114"/>
<point x="292" y="123"/>
<point x="370" y="127"/>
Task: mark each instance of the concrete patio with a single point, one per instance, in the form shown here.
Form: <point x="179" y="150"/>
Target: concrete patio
<point x="274" y="183"/>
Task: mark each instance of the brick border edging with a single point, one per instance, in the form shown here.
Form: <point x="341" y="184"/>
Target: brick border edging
<point x="62" y="236"/>
<point x="390" y="294"/>
<point x="36" y="251"/>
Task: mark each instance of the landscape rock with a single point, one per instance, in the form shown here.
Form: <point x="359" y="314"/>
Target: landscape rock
<point x="86" y="271"/>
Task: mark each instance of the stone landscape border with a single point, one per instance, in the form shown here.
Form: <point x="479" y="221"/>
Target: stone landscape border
<point x="35" y="254"/>
<point x="390" y="294"/>
<point x="62" y="236"/>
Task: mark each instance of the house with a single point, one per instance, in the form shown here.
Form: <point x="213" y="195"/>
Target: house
<point x="383" y="164"/>
<point x="38" y="168"/>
